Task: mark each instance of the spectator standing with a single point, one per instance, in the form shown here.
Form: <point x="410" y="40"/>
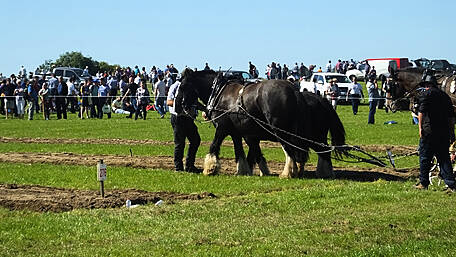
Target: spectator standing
<point x="72" y="95"/>
<point x="436" y="129"/>
<point x="2" y="97"/>
<point x="302" y="70"/>
<point x="143" y="99"/>
<point x="253" y="70"/>
<point x="354" y="93"/>
<point x="137" y="78"/>
<point x="103" y="92"/>
<point x="93" y="100"/>
<point x="387" y="89"/>
<point x="279" y="72"/>
<point x="113" y="85"/>
<point x="131" y="92"/>
<point x="8" y="91"/>
<point x="22" y="73"/>
<point x="372" y="90"/>
<point x="284" y="71"/>
<point x="45" y="100"/>
<point x="85" y="94"/>
<point x="367" y="69"/>
<point x="373" y="73"/>
<point x="207" y="67"/>
<point x="295" y="70"/>
<point x="32" y="91"/>
<point x="329" y="66"/>
<point x="85" y="72"/>
<point x="339" y="66"/>
<point x="160" y="96"/>
<point x="123" y="85"/>
<point x="268" y="72"/>
<point x="273" y="73"/>
<point x="332" y="92"/>
<point x="60" y="101"/>
<point x="19" y="94"/>
<point x="183" y="127"/>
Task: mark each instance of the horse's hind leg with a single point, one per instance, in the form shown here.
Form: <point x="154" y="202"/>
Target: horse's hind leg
<point x="255" y="156"/>
<point x="242" y="164"/>
<point x="211" y="162"/>
<point x="291" y="169"/>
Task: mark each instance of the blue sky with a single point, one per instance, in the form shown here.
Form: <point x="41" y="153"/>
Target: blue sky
<point x="224" y="33"/>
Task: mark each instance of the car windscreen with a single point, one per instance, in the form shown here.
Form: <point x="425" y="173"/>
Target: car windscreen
<point x="78" y="72"/>
<point x="340" y="79"/>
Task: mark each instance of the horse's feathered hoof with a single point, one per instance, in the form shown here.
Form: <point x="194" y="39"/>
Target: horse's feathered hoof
<point x="243" y="168"/>
<point x="285" y="175"/>
<point x="211" y="165"/>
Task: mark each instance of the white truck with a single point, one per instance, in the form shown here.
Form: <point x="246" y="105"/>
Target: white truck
<point x="319" y="82"/>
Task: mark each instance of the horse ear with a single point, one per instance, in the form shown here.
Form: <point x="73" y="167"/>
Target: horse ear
<point x="187" y="72"/>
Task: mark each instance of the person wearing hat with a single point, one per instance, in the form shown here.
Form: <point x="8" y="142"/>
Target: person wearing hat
<point x="436" y="129"/>
<point x="372" y="92"/>
<point x="332" y="92"/>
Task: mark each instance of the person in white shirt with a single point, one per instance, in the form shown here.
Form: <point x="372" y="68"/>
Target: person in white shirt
<point x="23" y="73"/>
<point x="332" y="92"/>
<point x="85" y="72"/>
<point x="138" y="78"/>
<point x="72" y="95"/>
<point x="354" y="93"/>
<point x="329" y="66"/>
<point x="160" y="96"/>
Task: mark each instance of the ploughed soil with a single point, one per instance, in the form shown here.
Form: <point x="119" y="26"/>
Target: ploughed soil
<point x="44" y="199"/>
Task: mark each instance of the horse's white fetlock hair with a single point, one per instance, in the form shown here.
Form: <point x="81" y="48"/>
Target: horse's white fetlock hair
<point x="211" y="165"/>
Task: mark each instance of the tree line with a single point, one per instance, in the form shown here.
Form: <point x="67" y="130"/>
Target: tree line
<point x="77" y="60"/>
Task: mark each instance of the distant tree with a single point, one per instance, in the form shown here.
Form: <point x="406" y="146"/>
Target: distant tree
<point x="46" y="66"/>
<point x="106" y="67"/>
<point x="77" y="60"/>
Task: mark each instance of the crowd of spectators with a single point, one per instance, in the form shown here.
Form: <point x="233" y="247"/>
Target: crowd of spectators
<point x="123" y="91"/>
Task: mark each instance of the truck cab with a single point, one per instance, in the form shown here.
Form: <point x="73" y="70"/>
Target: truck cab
<point x="319" y="82"/>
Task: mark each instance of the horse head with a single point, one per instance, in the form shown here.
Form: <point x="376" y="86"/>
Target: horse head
<point x="405" y="83"/>
<point x="194" y="85"/>
<point x="186" y="97"/>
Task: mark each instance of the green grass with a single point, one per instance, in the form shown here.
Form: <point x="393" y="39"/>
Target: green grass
<point x="313" y="217"/>
<point x="252" y="216"/>
<point x="358" y="131"/>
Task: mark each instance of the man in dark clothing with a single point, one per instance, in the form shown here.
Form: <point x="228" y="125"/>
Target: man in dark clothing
<point x="183" y="127"/>
<point x="436" y="127"/>
<point x="60" y="99"/>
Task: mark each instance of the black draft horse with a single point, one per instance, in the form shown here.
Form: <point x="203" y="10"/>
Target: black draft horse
<point x="269" y="110"/>
<point x="407" y="86"/>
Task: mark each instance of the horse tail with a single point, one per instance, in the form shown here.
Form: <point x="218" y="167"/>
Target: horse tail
<point x="336" y="128"/>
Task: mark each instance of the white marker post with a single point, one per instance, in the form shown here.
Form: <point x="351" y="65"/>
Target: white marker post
<point x="101" y="175"/>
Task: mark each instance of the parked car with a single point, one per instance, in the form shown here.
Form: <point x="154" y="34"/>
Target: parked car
<point x="422" y="62"/>
<point x="320" y="81"/>
<point x="441" y="65"/>
<point x="241" y="74"/>
<point x="66" y="73"/>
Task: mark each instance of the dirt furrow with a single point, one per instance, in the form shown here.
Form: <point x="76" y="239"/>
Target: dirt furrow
<point x="396" y="149"/>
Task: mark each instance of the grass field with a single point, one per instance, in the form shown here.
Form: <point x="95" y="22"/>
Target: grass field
<point x="251" y="216"/>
